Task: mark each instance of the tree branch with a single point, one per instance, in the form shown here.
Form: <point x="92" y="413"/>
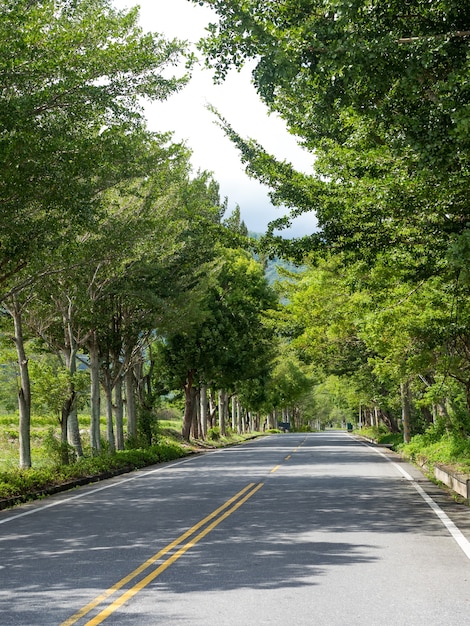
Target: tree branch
<point x="457" y="33"/>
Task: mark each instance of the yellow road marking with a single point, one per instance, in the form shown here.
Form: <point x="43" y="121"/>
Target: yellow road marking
<point x="288" y="457"/>
<point x="106" y="594"/>
<point x="275" y="469"/>
<point x="150" y="577"/>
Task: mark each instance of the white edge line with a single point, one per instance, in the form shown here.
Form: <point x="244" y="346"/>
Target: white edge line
<point x="141" y="474"/>
<point x="455" y="533"/>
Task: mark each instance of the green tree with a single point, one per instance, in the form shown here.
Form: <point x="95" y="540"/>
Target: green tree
<point x="50" y="385"/>
<point x="230" y="343"/>
<point x="402" y="346"/>
<point x="289" y="385"/>
<point x="73" y="76"/>
<point x="380" y="96"/>
<point x="235" y="223"/>
<point x="324" y="318"/>
<point x="114" y="285"/>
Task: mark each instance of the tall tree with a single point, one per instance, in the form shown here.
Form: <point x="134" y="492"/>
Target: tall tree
<point x="73" y="76"/>
<point x="230" y="342"/>
<point x="110" y="286"/>
<point x="380" y="96"/>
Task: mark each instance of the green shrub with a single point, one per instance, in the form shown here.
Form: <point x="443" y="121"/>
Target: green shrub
<point x="447" y="448"/>
<point x="7" y="490"/>
<point x="59" y="452"/>
<point x="25" y="481"/>
<point x="20" y="483"/>
<point x="10" y="433"/>
<point x="374" y="432"/>
<point x="395" y="439"/>
<point x="213" y="434"/>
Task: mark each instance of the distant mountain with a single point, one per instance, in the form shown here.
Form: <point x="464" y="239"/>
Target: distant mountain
<point x="272" y="266"/>
<point x="272" y="269"/>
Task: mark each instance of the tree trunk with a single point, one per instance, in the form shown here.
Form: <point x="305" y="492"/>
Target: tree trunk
<point x="119" y="413"/>
<point x="239" y="418"/>
<point x="195" y="425"/>
<point x="212" y="408"/>
<point x="64" y="447"/>
<point x="250" y="422"/>
<point x="73" y="432"/>
<point x="95" y="394"/>
<point x="405" y="407"/>
<point x="24" y="392"/>
<point x="390" y="421"/>
<point x="222" y="412"/>
<point x="427" y="415"/>
<point x="203" y="402"/>
<point x="234" y="414"/>
<point x="66" y="409"/>
<point x="108" y="392"/>
<point x="130" y="405"/>
<point x="69" y="408"/>
<point x="189" y="396"/>
<point x="441" y="412"/>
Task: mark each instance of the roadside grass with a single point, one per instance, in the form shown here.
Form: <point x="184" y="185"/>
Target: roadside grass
<point x="381" y="435"/>
<point x="42" y="426"/>
<point x="31" y="483"/>
<point x="435" y="446"/>
<point x="47" y="473"/>
<point x="449" y="449"/>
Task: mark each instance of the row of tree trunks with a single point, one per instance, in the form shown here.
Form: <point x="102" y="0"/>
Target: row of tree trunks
<point x="70" y="433"/>
<point x="375" y="415"/>
<point x="205" y="409"/>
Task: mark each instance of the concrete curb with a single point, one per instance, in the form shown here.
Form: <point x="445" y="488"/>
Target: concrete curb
<point x="458" y="482"/>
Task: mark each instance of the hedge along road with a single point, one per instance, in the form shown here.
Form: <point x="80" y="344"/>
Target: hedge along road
<point x="305" y="529"/>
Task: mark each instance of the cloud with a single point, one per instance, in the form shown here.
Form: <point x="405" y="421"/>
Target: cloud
<point x="186" y="114"/>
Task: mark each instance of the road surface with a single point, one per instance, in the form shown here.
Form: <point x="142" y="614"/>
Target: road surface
<point x="291" y="529"/>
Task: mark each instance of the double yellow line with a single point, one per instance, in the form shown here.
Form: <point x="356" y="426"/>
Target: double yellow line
<point x="216" y="516"/>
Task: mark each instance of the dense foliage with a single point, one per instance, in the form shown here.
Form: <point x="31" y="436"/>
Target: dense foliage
<point x="379" y="93"/>
<point x="110" y="245"/>
<point x="123" y="286"/>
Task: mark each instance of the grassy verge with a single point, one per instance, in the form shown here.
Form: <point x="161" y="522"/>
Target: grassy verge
<point x="382" y="436"/>
<point x="33" y="482"/>
<point x="435" y="446"/>
<point x="432" y="448"/>
<point x="48" y="475"/>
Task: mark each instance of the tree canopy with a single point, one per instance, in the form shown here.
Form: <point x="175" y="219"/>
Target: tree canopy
<point x="115" y="255"/>
<point x="380" y="94"/>
<point x="73" y="77"/>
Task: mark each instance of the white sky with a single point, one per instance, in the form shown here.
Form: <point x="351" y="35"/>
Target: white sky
<point x="185" y="113"/>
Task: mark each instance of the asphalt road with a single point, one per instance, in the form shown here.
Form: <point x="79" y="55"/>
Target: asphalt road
<point x="291" y="529"/>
